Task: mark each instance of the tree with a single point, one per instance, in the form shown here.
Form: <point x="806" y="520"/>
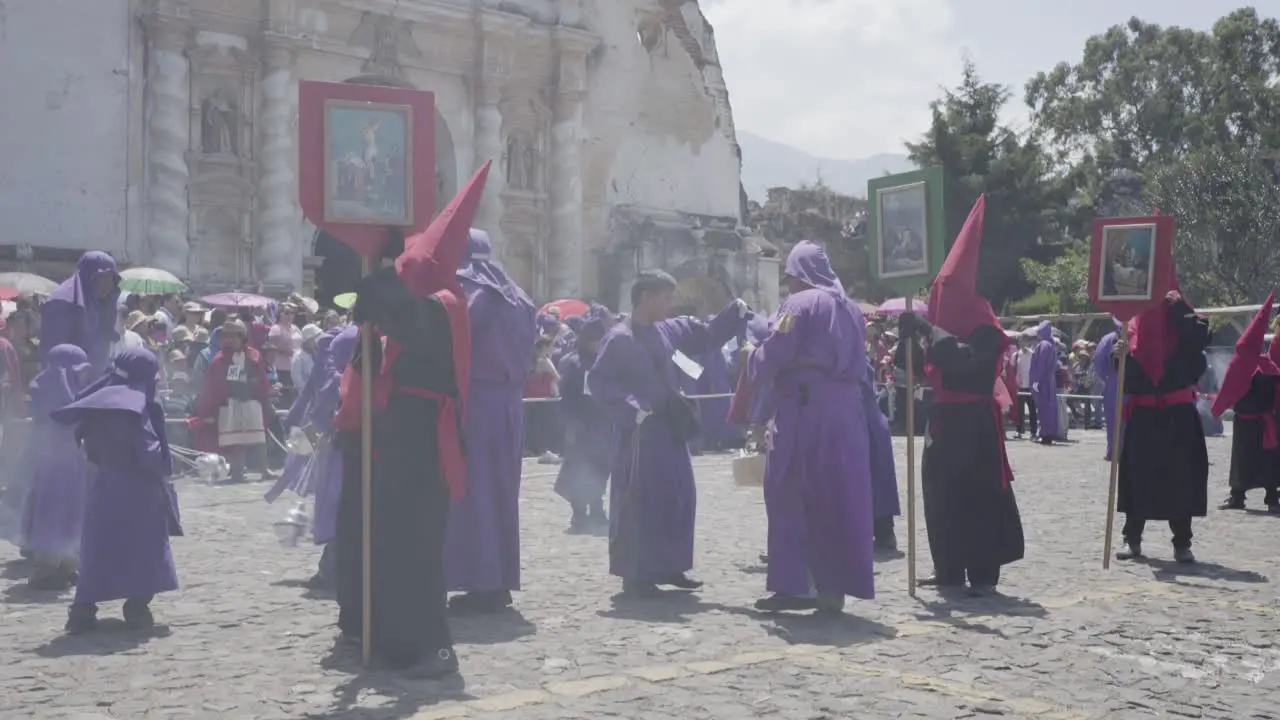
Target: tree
<point x="1065" y="278"/>
<point x="1226" y="203"/>
<point x="1143" y="94"/>
<point x="1025" y="202"/>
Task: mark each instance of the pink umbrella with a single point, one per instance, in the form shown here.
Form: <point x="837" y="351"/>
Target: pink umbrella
<point x="897" y="306"/>
<point x="236" y="300"/>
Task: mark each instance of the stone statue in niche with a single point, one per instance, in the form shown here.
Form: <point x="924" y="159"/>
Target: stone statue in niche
<point x="219" y="124"/>
<point x="522" y="163"/>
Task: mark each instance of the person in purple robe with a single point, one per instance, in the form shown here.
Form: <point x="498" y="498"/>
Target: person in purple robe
<point x="482" y="547"/>
<point x="636" y="375"/>
<point x="717" y="433"/>
<point x="1105" y="368"/>
<point x="884" y="473"/>
<point x="817" y="466"/>
<point x="296" y="476"/>
<point x="132" y="510"/>
<point x="320" y="476"/>
<point x="82" y="310"/>
<point x="53" y="510"/>
<point x="1044" y="383"/>
<point x="584" y="474"/>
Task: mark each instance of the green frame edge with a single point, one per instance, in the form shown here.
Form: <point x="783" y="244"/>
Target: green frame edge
<point x="935" y="230"/>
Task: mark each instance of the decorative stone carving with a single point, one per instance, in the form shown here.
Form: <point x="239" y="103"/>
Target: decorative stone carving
<point x="524" y="163"/>
<point x="220" y="124"/>
<point x="388" y="39"/>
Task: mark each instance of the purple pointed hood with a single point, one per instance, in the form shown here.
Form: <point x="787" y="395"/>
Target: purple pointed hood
<point x="478" y="267"/>
<point x="129" y="385"/>
<point x="808" y="263"/>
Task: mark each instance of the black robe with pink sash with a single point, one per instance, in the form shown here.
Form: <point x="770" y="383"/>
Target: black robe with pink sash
<point x="970" y="511"/>
<point x="1164" y="465"/>
<point x="1254" y="446"/>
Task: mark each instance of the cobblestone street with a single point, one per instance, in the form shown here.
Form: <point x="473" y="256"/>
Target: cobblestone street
<point x="244" y="640"/>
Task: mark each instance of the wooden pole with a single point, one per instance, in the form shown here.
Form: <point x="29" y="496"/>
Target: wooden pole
<point x="1116" y="435"/>
<point x="366" y="481"/>
<point x="911" y="463"/>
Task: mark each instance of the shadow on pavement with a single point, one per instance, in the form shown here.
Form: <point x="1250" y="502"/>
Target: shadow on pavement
<point x="837" y="631"/>
<point x="111" y="637"/>
<point x="506" y="626"/>
<point x="1169" y="571"/>
<point x="407" y="696"/>
<point x="670" y="606"/>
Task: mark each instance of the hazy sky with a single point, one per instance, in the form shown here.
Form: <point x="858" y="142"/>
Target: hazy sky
<point x="850" y="78"/>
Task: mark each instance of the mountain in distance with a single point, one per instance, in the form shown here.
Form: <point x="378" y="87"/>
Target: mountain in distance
<point x="767" y="163"/>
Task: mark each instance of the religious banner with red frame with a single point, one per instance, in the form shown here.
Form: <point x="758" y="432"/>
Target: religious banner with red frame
<point x="366" y="161"/>
<point x="1129" y="263"/>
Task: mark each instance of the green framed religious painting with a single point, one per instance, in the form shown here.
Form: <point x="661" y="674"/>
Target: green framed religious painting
<point x="906" y="229"/>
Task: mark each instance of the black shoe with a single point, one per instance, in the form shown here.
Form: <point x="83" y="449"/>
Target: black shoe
<point x="886" y="543"/>
<point x="932" y="581"/>
<point x="1132" y="551"/>
<point x="441" y="663"/>
<point x="1273" y="508"/>
<point x="52" y="579"/>
<point x="778" y="602"/>
<point x="579" y="524"/>
<point x="81" y="619"/>
<point x="482" y="603"/>
<point x="637" y="588"/>
<point x="1046" y="441"/>
<point x="1232" y="502"/>
<point x="982" y="591"/>
<point x="597" y="517"/>
<point x="682" y="581"/>
<point x="1184" y="556"/>
<point x="764" y="558"/>
<point x="137" y="615"/>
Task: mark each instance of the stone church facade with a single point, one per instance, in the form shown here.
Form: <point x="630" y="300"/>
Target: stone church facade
<point x="608" y="121"/>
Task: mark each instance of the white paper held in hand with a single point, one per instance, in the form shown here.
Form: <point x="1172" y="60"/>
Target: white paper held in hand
<point x="686" y="365"/>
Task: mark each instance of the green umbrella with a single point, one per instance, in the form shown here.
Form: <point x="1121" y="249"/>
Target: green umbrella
<point x="150" y="281"/>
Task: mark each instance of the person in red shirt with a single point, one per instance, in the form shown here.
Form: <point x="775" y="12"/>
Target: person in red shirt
<point x="543" y="382"/>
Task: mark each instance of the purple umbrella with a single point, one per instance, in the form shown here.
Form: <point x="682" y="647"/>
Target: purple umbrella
<point x="897" y="306"/>
<point x="236" y="300"/>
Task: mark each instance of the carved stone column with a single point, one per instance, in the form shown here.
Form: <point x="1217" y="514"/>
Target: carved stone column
<point x="279" y="252"/>
<point x="168" y="127"/>
<point x="568" y="244"/>
<point x="489" y="146"/>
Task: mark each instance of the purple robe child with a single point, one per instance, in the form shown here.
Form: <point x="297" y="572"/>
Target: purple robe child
<point x="884" y="473"/>
<point x="75" y="314"/>
<point x="818" y="468"/>
<point x="297" y="475"/>
<point x="132" y="510"/>
<point x="53" y="511"/>
<point x="1105" y="368"/>
<point x="482" y="546"/>
<point x="1044" y="383"/>
<point x="652" y="497"/>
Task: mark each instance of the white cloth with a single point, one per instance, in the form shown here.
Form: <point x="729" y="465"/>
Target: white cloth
<point x="128" y="339"/>
<point x="1024" y="368"/>
<point x="240" y="421"/>
<point x="303" y="364"/>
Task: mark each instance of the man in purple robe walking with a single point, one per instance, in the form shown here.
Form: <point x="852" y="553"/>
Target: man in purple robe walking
<point x="132" y="510"/>
<point x="1044" y="383"/>
<point x="482" y="547"/>
<point x="82" y="310"/>
<point x="652" y="498"/>
<point x="1104" y="366"/>
<point x="818" y="468"/>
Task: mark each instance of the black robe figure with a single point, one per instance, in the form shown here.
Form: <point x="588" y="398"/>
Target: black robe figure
<point x="420" y="360"/>
<point x="971" y="513"/>
<point x="588" y="446"/>
<point x="1164" y="465"/>
<point x="1250" y="386"/>
<point x="1253" y="465"/>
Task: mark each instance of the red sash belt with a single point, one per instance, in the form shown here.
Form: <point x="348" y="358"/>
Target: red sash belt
<point x="955" y="397"/>
<point x="452" y="459"/>
<point x="1269" y="440"/>
<point x="1185" y="396"/>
